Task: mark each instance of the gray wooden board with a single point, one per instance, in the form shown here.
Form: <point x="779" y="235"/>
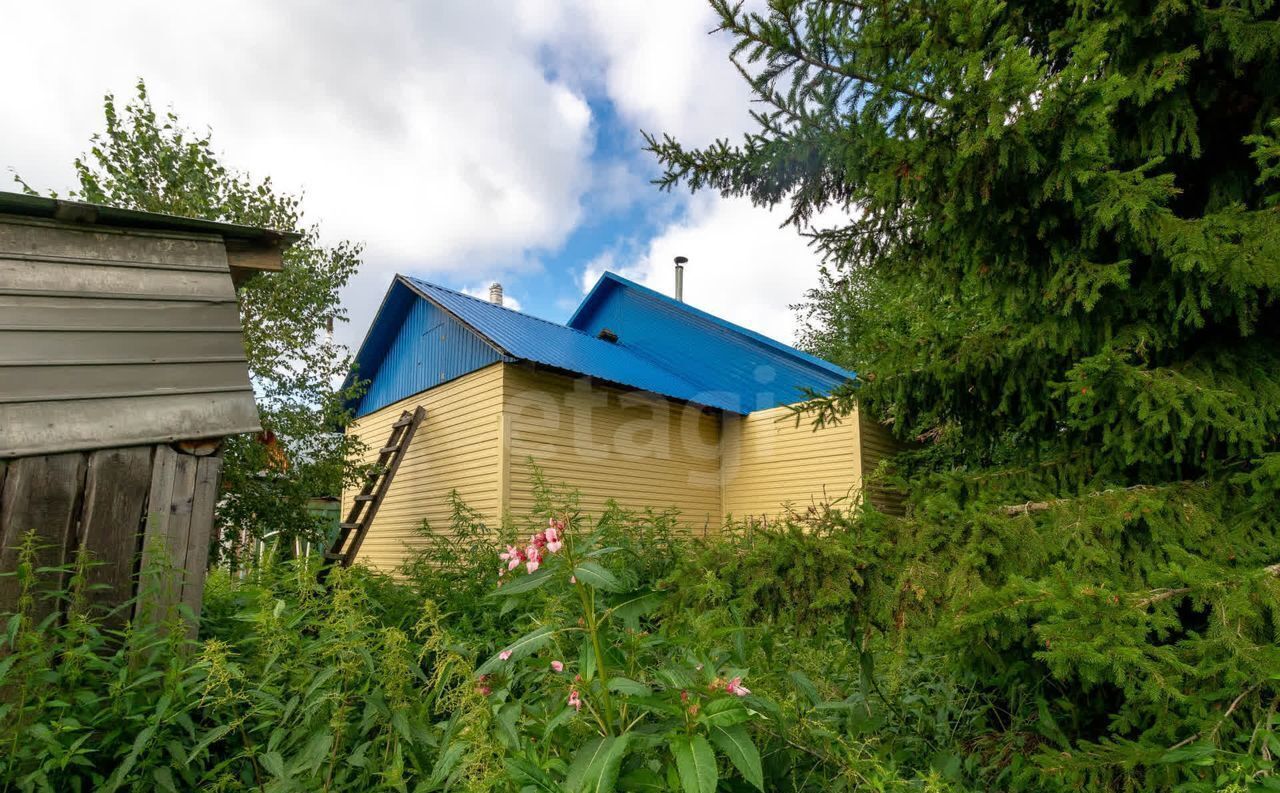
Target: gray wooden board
<point x="115" y="497"/>
<point x="27" y="428"/>
<point x="151" y="572"/>
<point x="52" y="239"/>
<point x="27" y="346"/>
<point x="43" y="383"/>
<point x="41" y="495"/>
<point x="96" y="312"/>
<point x="205" y="498"/>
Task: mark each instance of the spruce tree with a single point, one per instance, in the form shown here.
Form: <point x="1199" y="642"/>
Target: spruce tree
<point x="1059" y="280"/>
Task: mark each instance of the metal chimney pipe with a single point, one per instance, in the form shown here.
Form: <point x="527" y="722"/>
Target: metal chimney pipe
<point x="495" y="293"/>
<point x="680" y="261"/>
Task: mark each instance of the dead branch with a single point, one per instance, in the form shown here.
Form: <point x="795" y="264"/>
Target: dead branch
<point x="1013" y="510"/>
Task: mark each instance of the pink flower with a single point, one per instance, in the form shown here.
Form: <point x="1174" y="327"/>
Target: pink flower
<point x="533" y="560"/>
<point x="554" y="543"/>
<point x="736" y="688"/>
<point x="573" y="579"/>
<point x="557" y="666"/>
<point x="482" y="687"/>
<point x="483" y="691"/>
<point x="505" y="654"/>
<point x="512" y="556"/>
<point x="574" y="701"/>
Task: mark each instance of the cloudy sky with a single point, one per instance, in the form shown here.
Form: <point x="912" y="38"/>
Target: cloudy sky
<point x="463" y="142"/>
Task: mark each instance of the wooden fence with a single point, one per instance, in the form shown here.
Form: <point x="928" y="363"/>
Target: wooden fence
<point x="134" y="509"/>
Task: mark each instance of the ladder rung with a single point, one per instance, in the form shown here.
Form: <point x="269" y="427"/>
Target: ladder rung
<point x="369" y="497"/>
<point x="404" y="422"/>
<point x="330" y="555"/>
<point x="390" y="449"/>
<point x="348" y="526"/>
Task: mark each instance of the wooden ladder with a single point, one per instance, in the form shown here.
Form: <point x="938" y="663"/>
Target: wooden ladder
<point x="365" y="505"/>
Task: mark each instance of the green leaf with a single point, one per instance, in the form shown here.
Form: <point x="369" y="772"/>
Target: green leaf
<point x="315" y="752"/>
<point x="164" y="779"/>
<point x="602" y="773"/>
<point x="806" y="687"/>
<point x="587" y="661"/>
<point x="629" y="687"/>
<point x="522" y="770"/>
<point x="695" y="762"/>
<point x="122" y="771"/>
<point x="446" y="762"/>
<point x="737" y="746"/>
<point x="525" y="583"/>
<point x="274" y="763"/>
<point x="520" y="648"/>
<point x="594" y="575"/>
<point x="724" y="712"/>
<point x="595" y="766"/>
<point x="641" y="780"/>
<point x="636" y="605"/>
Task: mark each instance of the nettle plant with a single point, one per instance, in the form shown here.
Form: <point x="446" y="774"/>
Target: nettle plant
<point x="590" y="700"/>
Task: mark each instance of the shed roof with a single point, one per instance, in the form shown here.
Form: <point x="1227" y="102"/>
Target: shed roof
<point x="101" y="215"/>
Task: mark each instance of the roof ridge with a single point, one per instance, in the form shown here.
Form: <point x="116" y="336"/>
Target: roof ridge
<point x="484" y="302"/>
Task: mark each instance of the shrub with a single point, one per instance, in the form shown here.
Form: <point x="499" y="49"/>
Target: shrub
<point x="291" y="688"/>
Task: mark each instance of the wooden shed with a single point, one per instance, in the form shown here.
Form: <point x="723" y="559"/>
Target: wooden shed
<point x="122" y="367"/>
<point x="639" y="398"/>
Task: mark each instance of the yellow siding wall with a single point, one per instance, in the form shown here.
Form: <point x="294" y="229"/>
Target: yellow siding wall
<point x="877" y="444"/>
<point x="770" y="461"/>
<point x="456" y="446"/>
<point x="640" y="449"/>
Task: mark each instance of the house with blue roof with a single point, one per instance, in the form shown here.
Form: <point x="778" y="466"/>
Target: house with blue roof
<point x="640" y="398"/>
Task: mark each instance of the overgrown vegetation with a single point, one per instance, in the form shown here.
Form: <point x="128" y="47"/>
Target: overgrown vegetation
<point x="1059" y="274"/>
<point x="630" y="658"/>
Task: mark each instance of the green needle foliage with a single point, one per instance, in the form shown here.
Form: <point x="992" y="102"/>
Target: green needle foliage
<point x="1059" y="273"/>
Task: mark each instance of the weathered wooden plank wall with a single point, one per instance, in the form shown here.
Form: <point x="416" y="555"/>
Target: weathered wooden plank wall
<point x="133" y="509"/>
<point x="114" y="338"/>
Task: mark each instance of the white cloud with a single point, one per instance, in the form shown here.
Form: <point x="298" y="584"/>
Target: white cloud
<point x="432" y="133"/>
<point x="656" y="60"/>
<point x="451" y="138"/>
<point x="741" y="265"/>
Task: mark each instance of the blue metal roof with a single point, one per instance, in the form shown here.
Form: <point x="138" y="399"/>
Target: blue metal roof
<point x="425" y="334"/>
<point x="711" y="352"/>
<point x="520" y="336"/>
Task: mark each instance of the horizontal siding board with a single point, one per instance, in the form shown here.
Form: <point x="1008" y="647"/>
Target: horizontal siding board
<point x="39" y="346"/>
<point x="44" y="238"/>
<point x="95" y="313"/>
<point x="28" y="383"/>
<point x="111" y="279"/>
<point x="26" y="427"/>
